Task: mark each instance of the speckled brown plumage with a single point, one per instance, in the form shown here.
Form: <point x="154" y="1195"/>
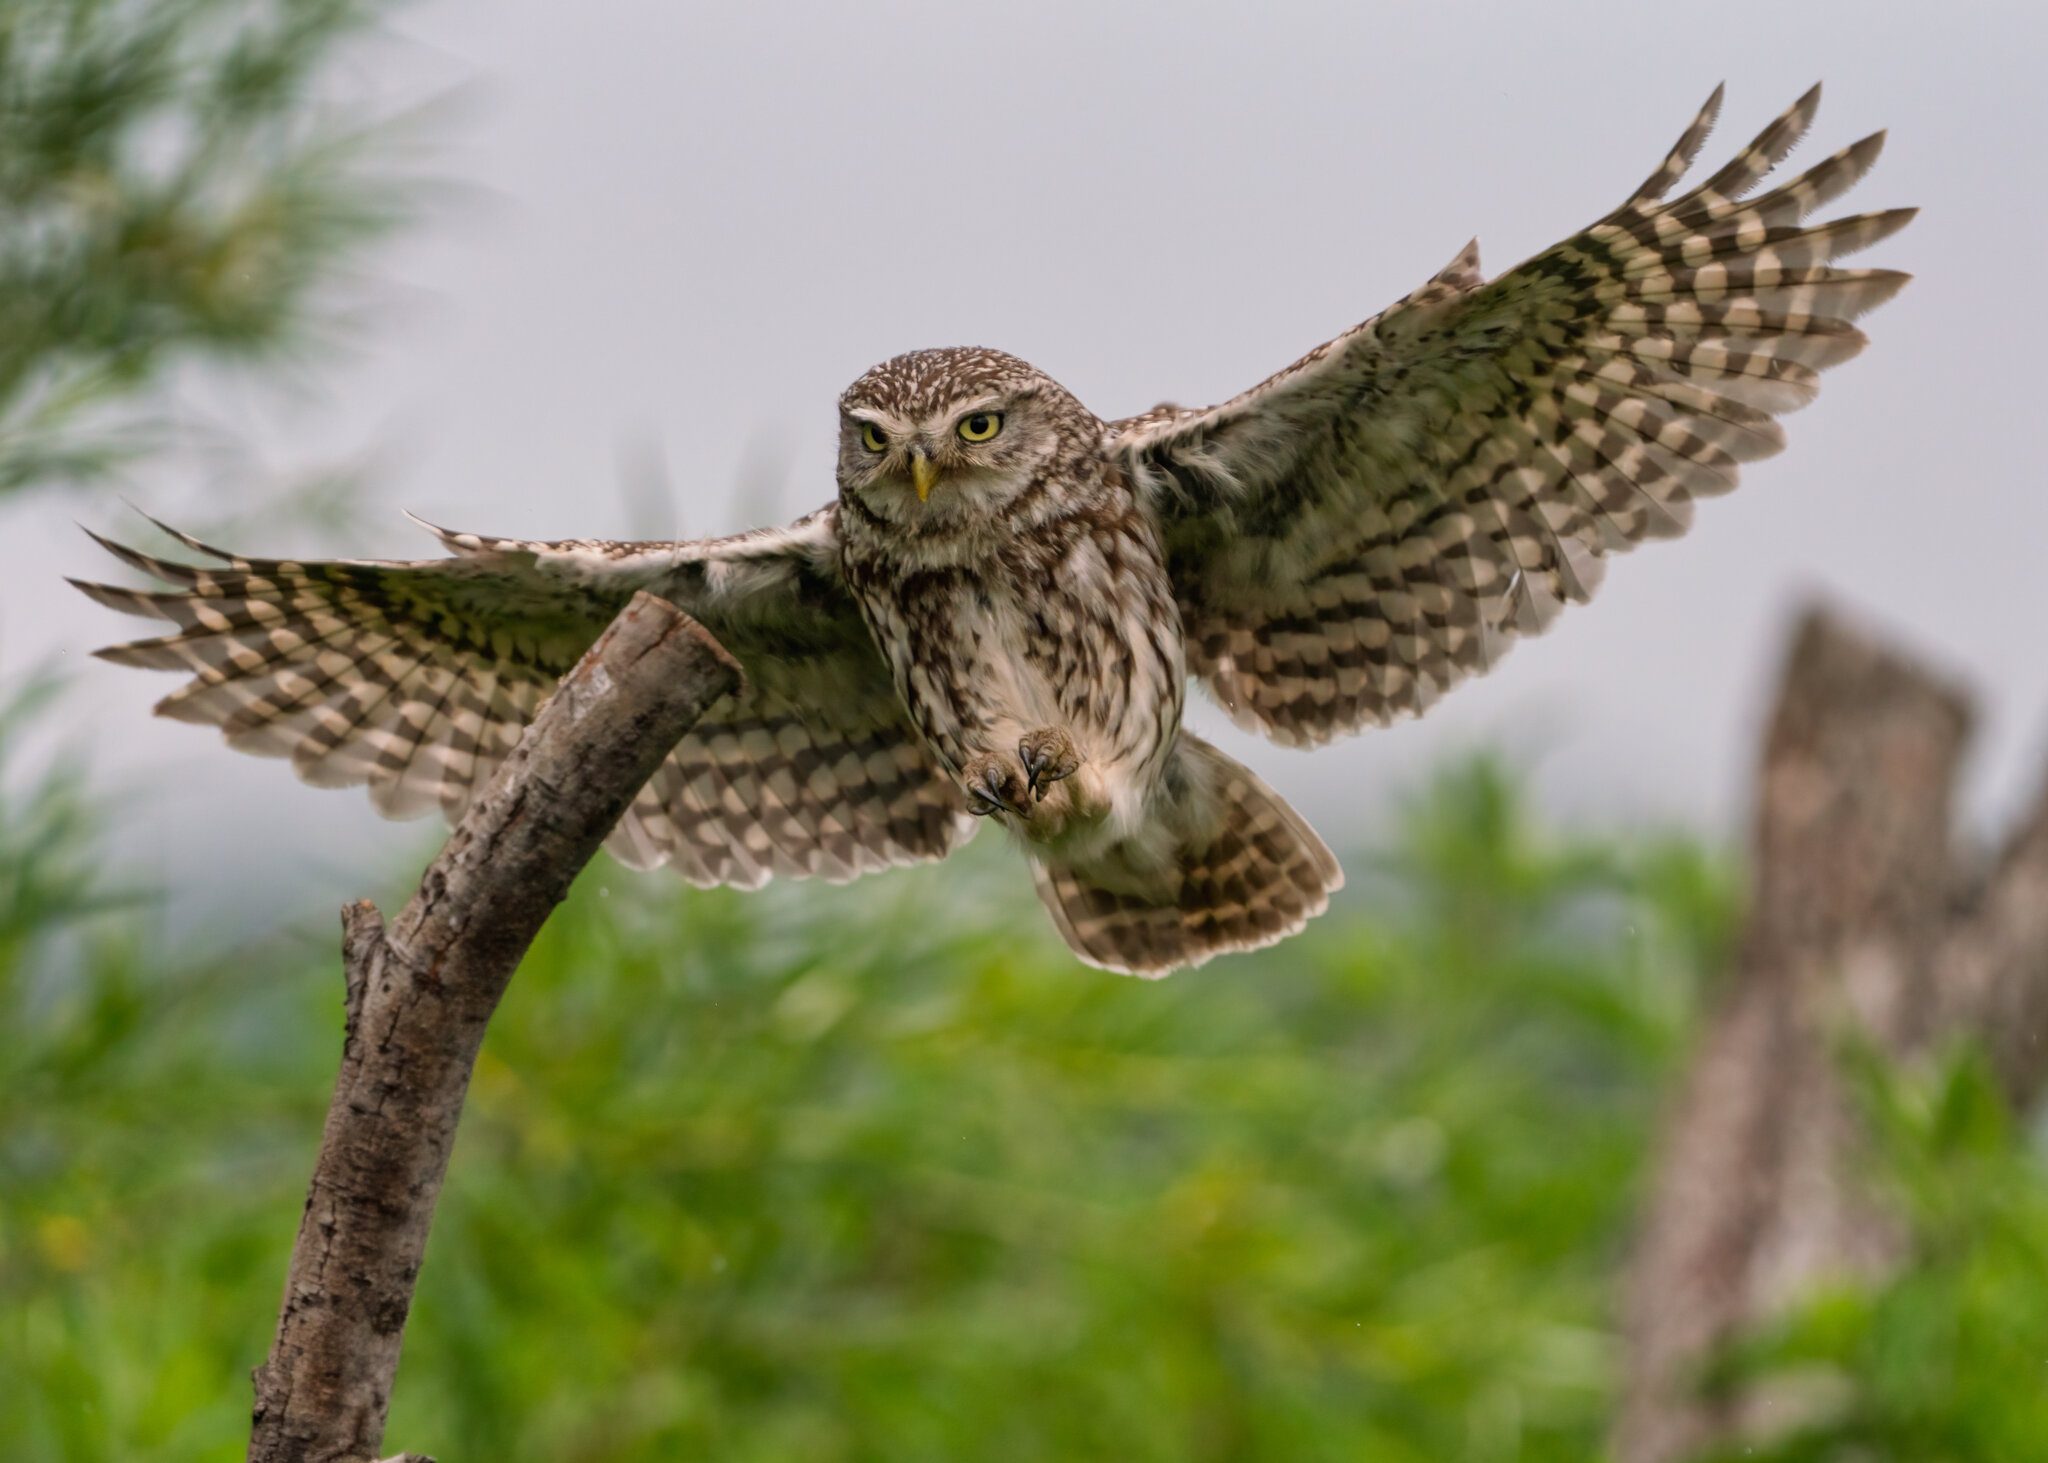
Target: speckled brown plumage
<point x="999" y="613"/>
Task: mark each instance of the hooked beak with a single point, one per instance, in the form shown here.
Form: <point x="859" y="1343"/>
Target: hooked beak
<point x="922" y="474"/>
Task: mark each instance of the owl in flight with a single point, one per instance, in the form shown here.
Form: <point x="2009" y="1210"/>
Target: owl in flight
<point x="999" y="614"/>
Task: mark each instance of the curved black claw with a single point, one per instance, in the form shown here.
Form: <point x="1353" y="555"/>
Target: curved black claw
<point x="1048" y="756"/>
<point x="992" y="788"/>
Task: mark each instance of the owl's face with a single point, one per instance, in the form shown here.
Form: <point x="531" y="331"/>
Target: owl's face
<point x="939" y="440"/>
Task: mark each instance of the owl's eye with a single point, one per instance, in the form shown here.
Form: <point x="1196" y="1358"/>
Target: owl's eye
<point x="871" y="438"/>
<point x="981" y="426"/>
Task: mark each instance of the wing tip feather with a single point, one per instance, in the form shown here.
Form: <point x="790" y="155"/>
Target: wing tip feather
<point x="198" y="546"/>
<point x="453" y="540"/>
<point x="1683" y="153"/>
<point x="118" y="598"/>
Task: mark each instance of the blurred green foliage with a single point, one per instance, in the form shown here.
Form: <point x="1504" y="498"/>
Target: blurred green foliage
<point x="169" y="188"/>
<point x="1948" y="1361"/>
<point x="878" y="1172"/>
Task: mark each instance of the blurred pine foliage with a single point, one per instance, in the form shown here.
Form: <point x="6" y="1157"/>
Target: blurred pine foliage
<point x="170" y="188"/>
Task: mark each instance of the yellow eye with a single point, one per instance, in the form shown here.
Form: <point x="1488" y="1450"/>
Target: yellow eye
<point x="981" y="426"/>
<point x="871" y="438"/>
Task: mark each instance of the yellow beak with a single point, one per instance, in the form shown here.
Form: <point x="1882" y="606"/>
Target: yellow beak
<point x="922" y="475"/>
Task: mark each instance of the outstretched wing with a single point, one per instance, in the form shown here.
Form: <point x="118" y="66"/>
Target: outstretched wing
<point x="1379" y="520"/>
<point x="417" y="678"/>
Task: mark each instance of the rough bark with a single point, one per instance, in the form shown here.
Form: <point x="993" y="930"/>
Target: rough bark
<point x="1994" y="965"/>
<point x="1863" y="921"/>
<point x="418" y="1000"/>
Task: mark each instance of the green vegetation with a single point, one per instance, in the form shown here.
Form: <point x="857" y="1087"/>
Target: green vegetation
<point x="1948" y="1361"/>
<point x="878" y="1172"/>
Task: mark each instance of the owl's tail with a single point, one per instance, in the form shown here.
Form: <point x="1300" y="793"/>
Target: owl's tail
<point x="1245" y="870"/>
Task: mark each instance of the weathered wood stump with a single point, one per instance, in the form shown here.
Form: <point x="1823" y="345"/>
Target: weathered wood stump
<point x="1865" y="920"/>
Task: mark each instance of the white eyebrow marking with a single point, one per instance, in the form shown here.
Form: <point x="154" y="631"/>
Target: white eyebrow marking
<point x="979" y="404"/>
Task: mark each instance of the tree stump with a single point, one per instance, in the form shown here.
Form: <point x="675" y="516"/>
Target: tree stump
<point x="1864" y="920"/>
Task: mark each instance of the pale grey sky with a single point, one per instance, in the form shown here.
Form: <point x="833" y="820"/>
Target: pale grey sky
<point x="698" y="223"/>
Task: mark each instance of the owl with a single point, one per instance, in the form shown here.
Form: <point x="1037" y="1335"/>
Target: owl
<point x="997" y="617"/>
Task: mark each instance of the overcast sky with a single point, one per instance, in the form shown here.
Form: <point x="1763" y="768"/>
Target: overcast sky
<point x="694" y="225"/>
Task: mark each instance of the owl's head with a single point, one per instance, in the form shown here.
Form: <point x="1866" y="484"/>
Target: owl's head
<point x="935" y="440"/>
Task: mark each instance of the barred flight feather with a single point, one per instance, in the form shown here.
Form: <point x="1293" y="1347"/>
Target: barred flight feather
<point x="1360" y="532"/>
<point x="418" y="678"/>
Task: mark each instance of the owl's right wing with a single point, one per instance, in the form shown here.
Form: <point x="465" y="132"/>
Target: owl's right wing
<point x="419" y="677"/>
<point x="1381" y="519"/>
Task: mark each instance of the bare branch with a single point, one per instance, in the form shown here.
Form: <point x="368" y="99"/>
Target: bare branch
<point x="418" y="1001"/>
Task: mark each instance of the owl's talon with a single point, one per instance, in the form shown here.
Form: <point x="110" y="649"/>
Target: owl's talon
<point x="992" y="787"/>
<point x="1048" y="756"/>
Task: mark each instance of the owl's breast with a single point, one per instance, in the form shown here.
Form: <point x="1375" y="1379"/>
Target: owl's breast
<point x="1071" y="626"/>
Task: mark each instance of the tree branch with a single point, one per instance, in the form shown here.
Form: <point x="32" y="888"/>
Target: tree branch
<point x="418" y="1000"/>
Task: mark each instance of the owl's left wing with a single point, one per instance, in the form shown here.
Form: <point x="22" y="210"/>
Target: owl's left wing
<point x="418" y="678"/>
<point x="1361" y="531"/>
